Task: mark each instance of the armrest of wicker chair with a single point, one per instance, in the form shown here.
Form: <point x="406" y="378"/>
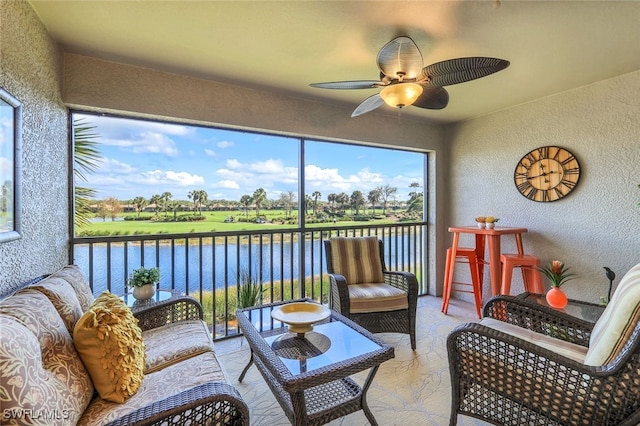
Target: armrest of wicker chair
<point x="405" y="281"/>
<point x="539" y="318"/>
<point x="211" y="403"/>
<point x="175" y="309"/>
<point x="529" y="383"/>
<point x="339" y="294"/>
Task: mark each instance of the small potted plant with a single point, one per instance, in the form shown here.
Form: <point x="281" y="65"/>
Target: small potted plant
<point x="144" y="281"/>
<point x="558" y="275"/>
<point x="481" y="220"/>
<point x="490" y="222"/>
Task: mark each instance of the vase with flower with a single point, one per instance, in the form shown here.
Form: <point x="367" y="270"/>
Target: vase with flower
<point x="558" y="274"/>
<point x="481" y="221"/>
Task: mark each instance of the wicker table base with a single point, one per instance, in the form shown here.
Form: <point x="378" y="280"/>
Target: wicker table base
<point x="309" y="376"/>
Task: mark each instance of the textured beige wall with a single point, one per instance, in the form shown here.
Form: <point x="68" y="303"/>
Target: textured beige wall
<point x="596" y="225"/>
<point x="31" y="70"/>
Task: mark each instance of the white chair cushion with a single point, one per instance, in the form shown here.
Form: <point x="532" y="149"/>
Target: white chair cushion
<point x="619" y="319"/>
<point x="357" y="259"/>
<point x="378" y="297"/>
<point x="558" y="346"/>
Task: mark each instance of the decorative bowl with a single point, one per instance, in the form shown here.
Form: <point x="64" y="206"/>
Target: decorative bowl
<point x="300" y="316"/>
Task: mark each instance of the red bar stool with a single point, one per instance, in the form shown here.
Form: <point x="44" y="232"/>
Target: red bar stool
<point x="476" y="288"/>
<point x="530" y="274"/>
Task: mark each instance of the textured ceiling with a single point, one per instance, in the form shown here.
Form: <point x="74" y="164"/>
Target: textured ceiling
<point x="553" y="46"/>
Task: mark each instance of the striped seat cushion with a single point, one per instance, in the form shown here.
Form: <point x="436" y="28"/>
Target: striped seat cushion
<point x="378" y="297"/>
<point x="618" y="321"/>
<point x="357" y="259"/>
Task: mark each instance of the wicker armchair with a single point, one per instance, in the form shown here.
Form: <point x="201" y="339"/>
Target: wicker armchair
<point x="525" y="363"/>
<point x="364" y="291"/>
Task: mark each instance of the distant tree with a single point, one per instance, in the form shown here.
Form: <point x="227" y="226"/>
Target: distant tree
<point x="102" y="210"/>
<point x="245" y="202"/>
<point x="156" y="202"/>
<point x="308" y="202"/>
<point x="374" y="198"/>
<point x="139" y="203"/>
<point x="288" y="200"/>
<point x="166" y="198"/>
<point x="357" y="200"/>
<point x="415" y="193"/>
<point x="331" y="198"/>
<point x="259" y="198"/>
<point x="175" y="207"/>
<point x="199" y="197"/>
<point x="343" y="200"/>
<point x="316" y="195"/>
<point x="386" y="192"/>
<point x="113" y="206"/>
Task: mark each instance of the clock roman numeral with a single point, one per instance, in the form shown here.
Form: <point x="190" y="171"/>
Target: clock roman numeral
<point x="572" y="171"/>
<point x="568" y="160"/>
<point x="522" y="175"/>
<point x="531" y="194"/>
<point x="543" y="152"/>
<point x="545" y="196"/>
<point x="524" y="186"/>
<point x="569" y="184"/>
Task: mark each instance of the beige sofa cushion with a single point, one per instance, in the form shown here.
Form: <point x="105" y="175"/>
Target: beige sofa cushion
<point x="74" y="276"/>
<point x="157" y="386"/>
<point x="174" y="343"/>
<point x="617" y="322"/>
<point x="40" y="368"/>
<point x="357" y="259"/>
<point x="64" y="298"/>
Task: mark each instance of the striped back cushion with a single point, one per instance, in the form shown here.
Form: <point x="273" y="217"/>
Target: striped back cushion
<point x="617" y="322"/>
<point x="357" y="259"/>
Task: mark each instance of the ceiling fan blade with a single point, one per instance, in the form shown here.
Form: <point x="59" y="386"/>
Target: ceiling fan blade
<point x="400" y="57"/>
<point x="454" y="71"/>
<point x="369" y="104"/>
<point x="432" y="98"/>
<point x="358" y="84"/>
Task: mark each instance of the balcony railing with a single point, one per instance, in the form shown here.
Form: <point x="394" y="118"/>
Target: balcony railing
<point x="289" y="263"/>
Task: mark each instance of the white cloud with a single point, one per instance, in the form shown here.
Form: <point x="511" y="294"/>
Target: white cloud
<point x="227" y="184"/>
<point x="210" y="152"/>
<point x="162" y="177"/>
<point x="224" y="144"/>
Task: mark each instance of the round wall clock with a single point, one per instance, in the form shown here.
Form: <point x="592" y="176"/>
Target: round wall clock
<point x="547" y="174"/>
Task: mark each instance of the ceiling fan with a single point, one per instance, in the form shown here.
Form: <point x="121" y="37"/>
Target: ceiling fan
<point x="405" y="82"/>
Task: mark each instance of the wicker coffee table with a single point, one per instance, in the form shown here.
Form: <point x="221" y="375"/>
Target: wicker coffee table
<point x="309" y="374"/>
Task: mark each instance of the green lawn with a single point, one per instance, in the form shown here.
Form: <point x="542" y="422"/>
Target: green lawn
<point x="213" y="222"/>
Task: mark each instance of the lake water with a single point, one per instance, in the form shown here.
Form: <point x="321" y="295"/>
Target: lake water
<point x="188" y="267"/>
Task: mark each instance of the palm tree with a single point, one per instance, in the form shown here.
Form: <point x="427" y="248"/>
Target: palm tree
<point x="245" y="201"/>
<point x="86" y="159"/>
<point x="199" y="197"/>
<point x="259" y="198"/>
<point x="139" y="203"/>
<point x="331" y="198"/>
<point x="156" y="200"/>
<point x="342" y="199"/>
<point x="357" y="199"/>
<point x="166" y="197"/>
<point x="174" y="206"/>
<point x="316" y="195"/>
<point x="374" y="198"/>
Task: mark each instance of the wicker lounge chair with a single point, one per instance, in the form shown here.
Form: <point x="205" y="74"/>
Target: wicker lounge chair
<point x="365" y="292"/>
<point x="526" y="364"/>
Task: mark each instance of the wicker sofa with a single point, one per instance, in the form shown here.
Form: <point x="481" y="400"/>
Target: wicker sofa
<point x="44" y="380"/>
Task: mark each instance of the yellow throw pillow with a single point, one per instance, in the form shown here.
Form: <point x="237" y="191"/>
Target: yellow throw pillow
<point x="110" y="344"/>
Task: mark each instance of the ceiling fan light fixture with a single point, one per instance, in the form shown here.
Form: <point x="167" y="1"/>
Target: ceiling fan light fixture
<point x="401" y="95"/>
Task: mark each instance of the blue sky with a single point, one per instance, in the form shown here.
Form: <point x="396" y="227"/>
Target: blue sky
<point x="143" y="158"/>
